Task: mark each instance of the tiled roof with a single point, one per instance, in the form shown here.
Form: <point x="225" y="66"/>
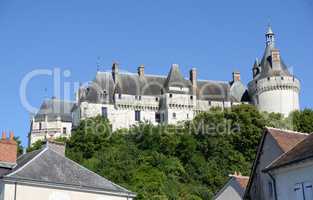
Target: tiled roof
<point x="302" y="151"/>
<point x="48" y="167"/>
<point x="286" y="139"/>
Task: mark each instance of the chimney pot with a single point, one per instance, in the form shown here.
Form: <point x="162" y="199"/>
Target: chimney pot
<point x="11" y="136"/>
<point x="4" y="135"/>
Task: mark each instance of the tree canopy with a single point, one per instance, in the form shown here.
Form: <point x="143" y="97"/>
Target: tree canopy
<point x="189" y="161"/>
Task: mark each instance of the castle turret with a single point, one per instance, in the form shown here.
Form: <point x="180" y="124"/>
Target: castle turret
<point x="273" y="88"/>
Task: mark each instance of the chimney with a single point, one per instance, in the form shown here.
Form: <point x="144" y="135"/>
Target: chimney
<point x="275" y="54"/>
<point x="58" y="147"/>
<point x="141" y="70"/>
<point x="8" y="149"/>
<point x="193" y="78"/>
<point x="236" y="76"/>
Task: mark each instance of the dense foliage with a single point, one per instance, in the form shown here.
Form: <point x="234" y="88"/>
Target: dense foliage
<point x="189" y="161"/>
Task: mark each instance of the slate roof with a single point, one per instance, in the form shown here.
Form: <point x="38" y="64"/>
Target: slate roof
<point x="267" y="68"/>
<point x="48" y="167"/>
<point x="53" y="109"/>
<point x="239" y="184"/>
<point x="302" y="151"/>
<point x="155" y="85"/>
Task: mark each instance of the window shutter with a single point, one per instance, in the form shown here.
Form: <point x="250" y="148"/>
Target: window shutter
<point x="298" y="192"/>
<point x="308" y="191"/>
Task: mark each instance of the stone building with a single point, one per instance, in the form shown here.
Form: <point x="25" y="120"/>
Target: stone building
<point x="273" y="88"/>
<point x="129" y="98"/>
<point x="53" y="120"/>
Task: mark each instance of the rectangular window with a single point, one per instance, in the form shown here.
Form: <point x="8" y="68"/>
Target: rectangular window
<point x="137" y="115"/>
<point x="174" y="115"/>
<point x="104" y="112"/>
<point x="40" y="126"/>
<point x="270" y="189"/>
<point x="171" y="95"/>
<point x="64" y="130"/>
<point x="303" y="191"/>
<point x="157" y="117"/>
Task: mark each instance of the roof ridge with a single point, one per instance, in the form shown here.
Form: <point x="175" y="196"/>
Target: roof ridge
<point x="268" y="167"/>
<point x="118" y="186"/>
<point x="286" y="130"/>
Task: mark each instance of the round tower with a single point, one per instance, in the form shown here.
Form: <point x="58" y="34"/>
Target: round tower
<point x="273" y="88"/>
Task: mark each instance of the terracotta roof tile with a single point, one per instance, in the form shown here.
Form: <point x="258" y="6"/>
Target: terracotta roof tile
<point x="302" y="151"/>
<point x="286" y="139"/>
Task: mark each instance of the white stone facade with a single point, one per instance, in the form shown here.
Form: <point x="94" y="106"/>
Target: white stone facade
<point x="276" y="94"/>
<point x="49" y="130"/>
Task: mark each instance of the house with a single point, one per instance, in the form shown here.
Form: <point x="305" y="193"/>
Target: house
<point x="273" y="144"/>
<point x="53" y="120"/>
<point x="292" y="172"/>
<point x="234" y="189"/>
<point x="48" y="174"/>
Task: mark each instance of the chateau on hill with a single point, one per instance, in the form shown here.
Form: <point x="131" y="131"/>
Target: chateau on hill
<point x="126" y="98"/>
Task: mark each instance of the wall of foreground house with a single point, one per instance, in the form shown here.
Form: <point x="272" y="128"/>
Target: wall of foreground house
<point x="288" y="180"/>
<point x="27" y="192"/>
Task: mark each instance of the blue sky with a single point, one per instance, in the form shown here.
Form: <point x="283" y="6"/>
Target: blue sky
<point x="217" y="37"/>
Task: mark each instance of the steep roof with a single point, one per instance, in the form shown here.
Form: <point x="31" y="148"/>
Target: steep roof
<point x="302" y="151"/>
<point x="48" y="167"/>
<point x="54" y="109"/>
<point x="285" y="140"/>
<point x="151" y="85"/>
<point x="238" y="182"/>
<point x="175" y="78"/>
<point x="266" y="66"/>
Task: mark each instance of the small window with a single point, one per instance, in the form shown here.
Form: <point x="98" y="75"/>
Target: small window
<point x="156" y="99"/>
<point x="157" y="117"/>
<point x="139" y="98"/>
<point x="282" y="78"/>
<point x="171" y="95"/>
<point x="270" y="189"/>
<point x="119" y="96"/>
<point x="187" y="116"/>
<point x="104" y="112"/>
<point x="64" y="130"/>
<point x="210" y="103"/>
<point x="257" y="100"/>
<point x="174" y="115"/>
<point x="40" y="126"/>
<point x="137" y="115"/>
<point x="268" y="78"/>
<point x="191" y="97"/>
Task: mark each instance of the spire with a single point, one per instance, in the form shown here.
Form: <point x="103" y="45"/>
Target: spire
<point x="269" y="35"/>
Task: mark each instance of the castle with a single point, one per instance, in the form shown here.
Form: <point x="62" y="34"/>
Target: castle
<point x="128" y="98"/>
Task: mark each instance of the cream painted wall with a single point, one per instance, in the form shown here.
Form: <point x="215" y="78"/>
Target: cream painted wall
<point x="26" y="192"/>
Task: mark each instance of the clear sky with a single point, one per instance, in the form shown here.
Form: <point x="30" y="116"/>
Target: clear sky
<point x="217" y="37"/>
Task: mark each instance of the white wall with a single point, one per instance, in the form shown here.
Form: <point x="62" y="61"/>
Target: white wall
<point x="229" y="192"/>
<point x="27" y="192"/>
<point x="276" y="94"/>
<point x="49" y="129"/>
<point x="287" y="178"/>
